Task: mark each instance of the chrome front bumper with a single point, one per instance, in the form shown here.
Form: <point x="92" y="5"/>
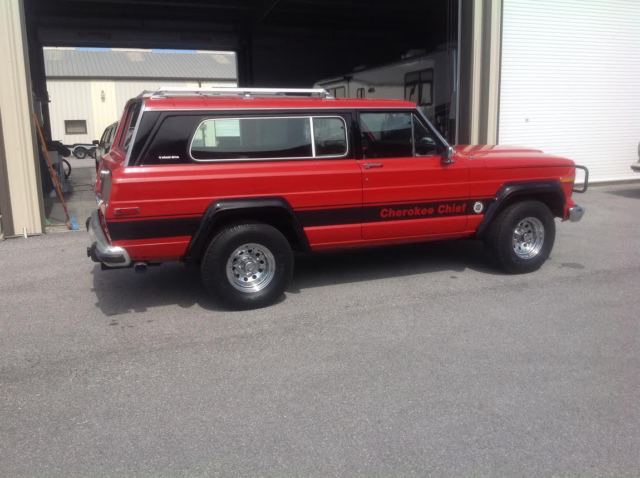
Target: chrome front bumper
<point x="575" y="213"/>
<point x="100" y="249"/>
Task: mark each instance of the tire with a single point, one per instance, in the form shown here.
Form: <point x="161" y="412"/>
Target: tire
<point x="522" y="236"/>
<point x="66" y="167"/>
<point x="93" y="153"/>
<point x="231" y="266"/>
<point x="80" y="152"/>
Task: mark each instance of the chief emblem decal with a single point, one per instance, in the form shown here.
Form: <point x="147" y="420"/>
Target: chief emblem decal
<point x="478" y="207"/>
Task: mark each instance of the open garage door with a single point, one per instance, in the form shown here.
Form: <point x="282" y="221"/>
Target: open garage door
<point x="569" y="85"/>
<point x="279" y="43"/>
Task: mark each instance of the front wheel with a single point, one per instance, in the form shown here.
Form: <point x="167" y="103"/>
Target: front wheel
<point x="247" y="266"/>
<point x="522" y="236"/>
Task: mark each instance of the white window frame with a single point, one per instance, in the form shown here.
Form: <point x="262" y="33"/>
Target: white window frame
<point x="298" y="158"/>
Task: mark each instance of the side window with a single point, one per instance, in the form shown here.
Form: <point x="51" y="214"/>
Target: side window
<point x="252" y="138"/>
<point x="112" y="135"/>
<point x="386" y="135"/>
<point x="425" y="141"/>
<point x="130" y="126"/>
<point x="105" y="135"/>
<point x="329" y="136"/>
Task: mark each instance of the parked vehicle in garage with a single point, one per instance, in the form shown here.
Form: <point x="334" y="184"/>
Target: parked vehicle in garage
<point x="82" y="150"/>
<point x="106" y="140"/>
<point x="235" y="180"/>
<point x="424" y="78"/>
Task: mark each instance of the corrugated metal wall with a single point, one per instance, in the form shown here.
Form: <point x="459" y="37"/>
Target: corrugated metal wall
<point x="570" y="81"/>
<point x="83" y="100"/>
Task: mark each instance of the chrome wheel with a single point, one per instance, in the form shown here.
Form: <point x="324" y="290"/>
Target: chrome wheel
<point x="528" y="238"/>
<point x="251" y="267"/>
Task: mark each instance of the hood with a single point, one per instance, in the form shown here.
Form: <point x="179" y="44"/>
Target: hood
<point x="506" y="156"/>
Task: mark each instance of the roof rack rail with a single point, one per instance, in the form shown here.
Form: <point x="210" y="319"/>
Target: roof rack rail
<point x="166" y="91"/>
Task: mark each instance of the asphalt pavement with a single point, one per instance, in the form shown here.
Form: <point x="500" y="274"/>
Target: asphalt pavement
<point x="415" y="361"/>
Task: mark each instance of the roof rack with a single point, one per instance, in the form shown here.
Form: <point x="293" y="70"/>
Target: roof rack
<point x="166" y="91"/>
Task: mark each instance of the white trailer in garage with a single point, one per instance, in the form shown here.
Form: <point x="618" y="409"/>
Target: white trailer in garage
<point x="428" y="79"/>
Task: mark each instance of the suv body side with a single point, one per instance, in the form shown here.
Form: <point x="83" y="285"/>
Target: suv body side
<point x="153" y="193"/>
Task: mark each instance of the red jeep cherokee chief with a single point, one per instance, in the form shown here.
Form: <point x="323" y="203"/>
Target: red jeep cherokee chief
<point x="235" y="180"/>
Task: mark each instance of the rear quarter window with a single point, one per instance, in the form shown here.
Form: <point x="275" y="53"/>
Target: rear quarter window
<point x="252" y="138"/>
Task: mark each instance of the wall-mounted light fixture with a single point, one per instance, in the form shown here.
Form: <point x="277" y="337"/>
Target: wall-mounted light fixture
<point x="102" y="96"/>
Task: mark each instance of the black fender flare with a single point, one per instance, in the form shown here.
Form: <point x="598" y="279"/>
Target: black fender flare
<point x="513" y="190"/>
<point x="253" y="208"/>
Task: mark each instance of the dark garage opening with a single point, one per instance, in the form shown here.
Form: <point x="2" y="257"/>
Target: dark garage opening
<point x="279" y="43"/>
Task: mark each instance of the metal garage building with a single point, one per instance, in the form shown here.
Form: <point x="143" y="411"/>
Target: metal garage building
<point x="557" y="75"/>
<point x="88" y="88"/>
<point x="570" y="81"/>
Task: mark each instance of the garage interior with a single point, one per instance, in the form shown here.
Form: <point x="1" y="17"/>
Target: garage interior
<point x="288" y="43"/>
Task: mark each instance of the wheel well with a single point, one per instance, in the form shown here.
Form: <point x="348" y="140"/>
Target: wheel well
<point x="554" y="200"/>
<point x="279" y="218"/>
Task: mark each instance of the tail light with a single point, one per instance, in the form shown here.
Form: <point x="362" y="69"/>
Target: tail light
<point x="105" y="185"/>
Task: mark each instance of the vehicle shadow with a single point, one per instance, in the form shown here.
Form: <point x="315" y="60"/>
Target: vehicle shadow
<point x="632" y="193"/>
<point x="123" y="291"/>
<point x="343" y="267"/>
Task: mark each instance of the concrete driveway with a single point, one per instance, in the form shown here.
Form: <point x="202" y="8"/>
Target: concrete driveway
<point x="421" y="360"/>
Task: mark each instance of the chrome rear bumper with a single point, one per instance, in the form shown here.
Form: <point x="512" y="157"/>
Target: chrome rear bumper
<point x="576" y="213"/>
<point x="100" y="249"/>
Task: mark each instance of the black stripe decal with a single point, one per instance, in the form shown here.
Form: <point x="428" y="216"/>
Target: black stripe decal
<point x="392" y="212"/>
<point x="146" y="229"/>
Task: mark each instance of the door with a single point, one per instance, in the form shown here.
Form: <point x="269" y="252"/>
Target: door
<point x="408" y="191"/>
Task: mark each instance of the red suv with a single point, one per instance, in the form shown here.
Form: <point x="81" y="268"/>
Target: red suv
<point x="234" y="180"/>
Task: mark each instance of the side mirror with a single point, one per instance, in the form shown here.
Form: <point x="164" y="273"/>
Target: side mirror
<point x="447" y="157"/>
<point x="426" y="146"/>
<point x="95" y="142"/>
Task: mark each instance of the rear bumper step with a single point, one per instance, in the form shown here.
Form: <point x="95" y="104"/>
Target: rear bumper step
<point x="101" y="250"/>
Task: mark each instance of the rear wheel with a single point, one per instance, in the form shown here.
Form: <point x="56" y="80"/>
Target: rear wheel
<point x="247" y="265"/>
<point x="522" y="236"/>
<point x="80" y="152"/>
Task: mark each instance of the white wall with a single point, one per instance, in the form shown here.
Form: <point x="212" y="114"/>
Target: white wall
<point x="570" y="81"/>
<point x="82" y="100"/>
<point x="17" y="122"/>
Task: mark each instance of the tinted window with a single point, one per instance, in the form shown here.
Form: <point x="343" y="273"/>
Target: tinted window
<point x="105" y="135"/>
<point x="252" y="138"/>
<point x="132" y="120"/>
<point x="386" y="135"/>
<point x="330" y="136"/>
<point x="112" y="134"/>
<point x="170" y="141"/>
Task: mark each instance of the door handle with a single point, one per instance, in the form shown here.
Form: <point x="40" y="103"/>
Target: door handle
<point x="372" y="165"/>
